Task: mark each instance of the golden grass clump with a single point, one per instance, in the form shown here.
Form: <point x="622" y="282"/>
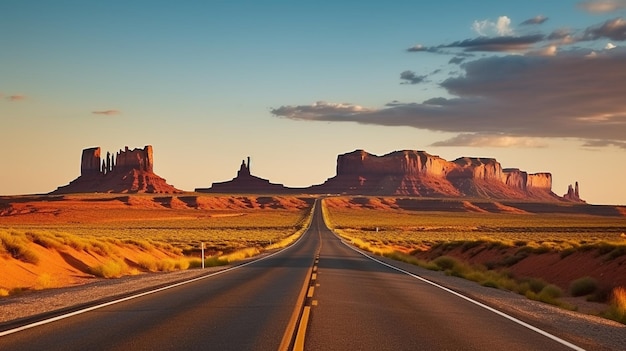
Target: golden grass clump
<point x="16" y="245"/>
<point x="240" y="254"/>
<point x="45" y="281"/>
<point x="113" y="268"/>
<point x="617" y="311"/>
<point x="4" y="292"/>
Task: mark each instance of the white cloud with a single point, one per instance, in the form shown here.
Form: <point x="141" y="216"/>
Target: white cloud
<point x="490" y="140"/>
<point x="486" y="28"/>
<point x="610" y="46"/>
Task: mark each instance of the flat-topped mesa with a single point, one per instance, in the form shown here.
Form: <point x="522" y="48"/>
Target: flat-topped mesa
<point x="515" y="178"/>
<point x="477" y="168"/>
<point x="401" y="163"/>
<point x="418" y="173"/>
<point x="128" y="171"/>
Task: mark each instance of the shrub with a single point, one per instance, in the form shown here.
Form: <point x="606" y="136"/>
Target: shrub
<point x="490" y="284"/>
<point x="45" y="281"/>
<point x="549" y="294"/>
<point x="17" y="246"/>
<point x="583" y="286"/>
<point x="617" y="311"/>
<point x="445" y="262"/>
<point x="211" y="261"/>
<point x="110" y="269"/>
<point x="4" y="292"/>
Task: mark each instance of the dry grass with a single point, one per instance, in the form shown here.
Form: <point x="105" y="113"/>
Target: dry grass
<point x="113" y="268"/>
<point x="425" y="229"/>
<point x="618" y="305"/>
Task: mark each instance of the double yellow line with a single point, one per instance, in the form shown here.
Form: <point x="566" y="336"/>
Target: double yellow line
<point x="300" y="316"/>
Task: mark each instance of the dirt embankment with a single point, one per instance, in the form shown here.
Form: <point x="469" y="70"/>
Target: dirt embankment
<point x="29" y="261"/>
<point x="605" y="264"/>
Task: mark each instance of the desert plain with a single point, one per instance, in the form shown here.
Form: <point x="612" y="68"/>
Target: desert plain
<point x="570" y="255"/>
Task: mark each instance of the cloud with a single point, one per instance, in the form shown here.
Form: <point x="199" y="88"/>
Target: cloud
<point x="457" y="60"/>
<point x="490" y="140"/>
<point x="501" y="27"/>
<point x="563" y="96"/>
<point x="535" y="20"/>
<point x="605" y="143"/>
<point x="614" y="29"/>
<point x="410" y="77"/>
<point x="602" y="6"/>
<point x="17" y="97"/>
<point x="416" y="48"/>
<point x="550" y="50"/>
<point x="107" y="112"/>
<point x="502" y="44"/>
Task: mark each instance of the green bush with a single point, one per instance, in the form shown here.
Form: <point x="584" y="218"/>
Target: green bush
<point x="549" y="294"/>
<point x="583" y="286"/>
<point x="445" y="262"/>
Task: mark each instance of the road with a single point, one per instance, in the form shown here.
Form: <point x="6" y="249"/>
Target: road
<point x="353" y="303"/>
<point x="361" y="304"/>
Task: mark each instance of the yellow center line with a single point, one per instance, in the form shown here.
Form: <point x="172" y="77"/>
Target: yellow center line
<point x="304" y="321"/>
<point x="310" y="293"/>
<point x="314" y="276"/>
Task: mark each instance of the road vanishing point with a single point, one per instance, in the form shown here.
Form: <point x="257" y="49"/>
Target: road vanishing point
<point x="318" y="294"/>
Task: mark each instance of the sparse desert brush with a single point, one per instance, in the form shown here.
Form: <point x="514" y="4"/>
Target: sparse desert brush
<point x="45" y="239"/>
<point x="113" y="268"/>
<point x="446" y="262"/>
<point x="45" y="281"/>
<point x="211" y="261"/>
<point x="617" y="310"/>
<point x="16" y="245"/>
<point x="583" y="286"/>
<point x="4" y="292"/>
<point x="240" y="254"/>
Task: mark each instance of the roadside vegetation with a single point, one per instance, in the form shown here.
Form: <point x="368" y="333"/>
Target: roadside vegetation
<point x="486" y="247"/>
<point x="131" y="240"/>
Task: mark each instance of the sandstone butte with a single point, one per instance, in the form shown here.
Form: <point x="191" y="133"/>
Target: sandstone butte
<point x="413" y="173"/>
<point x="128" y="171"/>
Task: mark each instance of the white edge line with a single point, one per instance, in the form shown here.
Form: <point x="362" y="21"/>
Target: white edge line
<point x="500" y="313"/>
<point x="88" y="309"/>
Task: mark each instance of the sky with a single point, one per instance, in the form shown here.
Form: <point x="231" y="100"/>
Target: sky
<point x="538" y="85"/>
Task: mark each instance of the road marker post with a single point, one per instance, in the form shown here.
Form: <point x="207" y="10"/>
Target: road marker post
<point x="202" y="247"/>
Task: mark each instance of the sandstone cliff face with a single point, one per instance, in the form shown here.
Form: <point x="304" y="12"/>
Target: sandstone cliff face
<point x="128" y="171"/>
<point x="400" y="163"/>
<point x="418" y="173"/>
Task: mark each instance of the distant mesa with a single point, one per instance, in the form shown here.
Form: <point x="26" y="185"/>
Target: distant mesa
<point x="412" y="173"/>
<point x="245" y="183"/>
<point x="418" y="173"/>
<point x="128" y="171"/>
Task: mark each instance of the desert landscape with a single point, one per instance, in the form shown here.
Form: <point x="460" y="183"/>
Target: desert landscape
<point x="119" y="218"/>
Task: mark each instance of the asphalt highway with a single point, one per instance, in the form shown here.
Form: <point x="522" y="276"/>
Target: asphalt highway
<point x="351" y="302"/>
<point x="360" y="304"/>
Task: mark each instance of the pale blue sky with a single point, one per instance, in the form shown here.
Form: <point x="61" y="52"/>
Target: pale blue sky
<point x="208" y="83"/>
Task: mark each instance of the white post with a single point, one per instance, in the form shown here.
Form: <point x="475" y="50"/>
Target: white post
<point x="202" y="245"/>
